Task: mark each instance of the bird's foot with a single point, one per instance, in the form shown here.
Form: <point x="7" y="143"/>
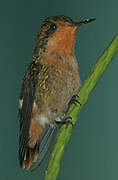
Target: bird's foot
<point x="73" y="101"/>
<point x="65" y="120"/>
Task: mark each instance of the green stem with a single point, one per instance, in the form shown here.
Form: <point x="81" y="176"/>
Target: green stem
<point x="87" y="87"/>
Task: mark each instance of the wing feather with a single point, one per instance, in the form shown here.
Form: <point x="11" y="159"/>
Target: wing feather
<point x="25" y="113"/>
<point x="27" y="154"/>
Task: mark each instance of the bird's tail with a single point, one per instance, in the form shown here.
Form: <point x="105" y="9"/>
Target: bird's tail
<point x="30" y="156"/>
<point x="46" y="140"/>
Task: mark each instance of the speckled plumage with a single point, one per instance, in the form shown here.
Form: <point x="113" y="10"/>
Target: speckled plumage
<point x="52" y="78"/>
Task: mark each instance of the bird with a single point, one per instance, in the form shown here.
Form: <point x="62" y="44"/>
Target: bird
<point x="51" y="81"/>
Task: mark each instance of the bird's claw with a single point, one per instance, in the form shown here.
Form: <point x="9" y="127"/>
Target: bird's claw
<point x="66" y="120"/>
<point x="73" y="101"/>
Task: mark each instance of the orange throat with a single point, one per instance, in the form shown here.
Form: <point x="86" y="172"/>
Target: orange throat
<point x="63" y="40"/>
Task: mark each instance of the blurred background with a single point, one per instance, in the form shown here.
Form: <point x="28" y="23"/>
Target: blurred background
<point x="92" y="153"/>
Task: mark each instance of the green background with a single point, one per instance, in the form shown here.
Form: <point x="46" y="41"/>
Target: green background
<point x="92" y="153"/>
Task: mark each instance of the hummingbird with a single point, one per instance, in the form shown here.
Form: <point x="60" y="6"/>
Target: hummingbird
<point x="49" y="85"/>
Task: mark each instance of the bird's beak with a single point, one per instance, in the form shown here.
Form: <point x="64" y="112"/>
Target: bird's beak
<point x="83" y="22"/>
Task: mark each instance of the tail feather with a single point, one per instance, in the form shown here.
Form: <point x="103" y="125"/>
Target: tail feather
<point x="32" y="157"/>
<point x="46" y="139"/>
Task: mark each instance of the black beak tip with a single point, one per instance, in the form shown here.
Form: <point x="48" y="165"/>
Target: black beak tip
<point x="84" y="22"/>
<point x="89" y="20"/>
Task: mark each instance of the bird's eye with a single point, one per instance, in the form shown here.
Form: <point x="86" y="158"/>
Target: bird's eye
<point x="53" y="27"/>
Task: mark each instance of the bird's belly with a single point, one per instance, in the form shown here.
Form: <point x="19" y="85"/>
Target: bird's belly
<point x="53" y="100"/>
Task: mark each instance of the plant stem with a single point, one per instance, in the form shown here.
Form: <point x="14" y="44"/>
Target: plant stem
<point x="87" y="87"/>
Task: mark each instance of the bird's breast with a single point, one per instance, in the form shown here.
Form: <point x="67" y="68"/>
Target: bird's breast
<point x="58" y="81"/>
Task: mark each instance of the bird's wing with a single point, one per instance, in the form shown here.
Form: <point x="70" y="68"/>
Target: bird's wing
<point x="27" y="96"/>
<point x="31" y="157"/>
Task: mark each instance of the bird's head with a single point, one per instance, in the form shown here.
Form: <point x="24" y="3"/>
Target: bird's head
<point x="58" y="32"/>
